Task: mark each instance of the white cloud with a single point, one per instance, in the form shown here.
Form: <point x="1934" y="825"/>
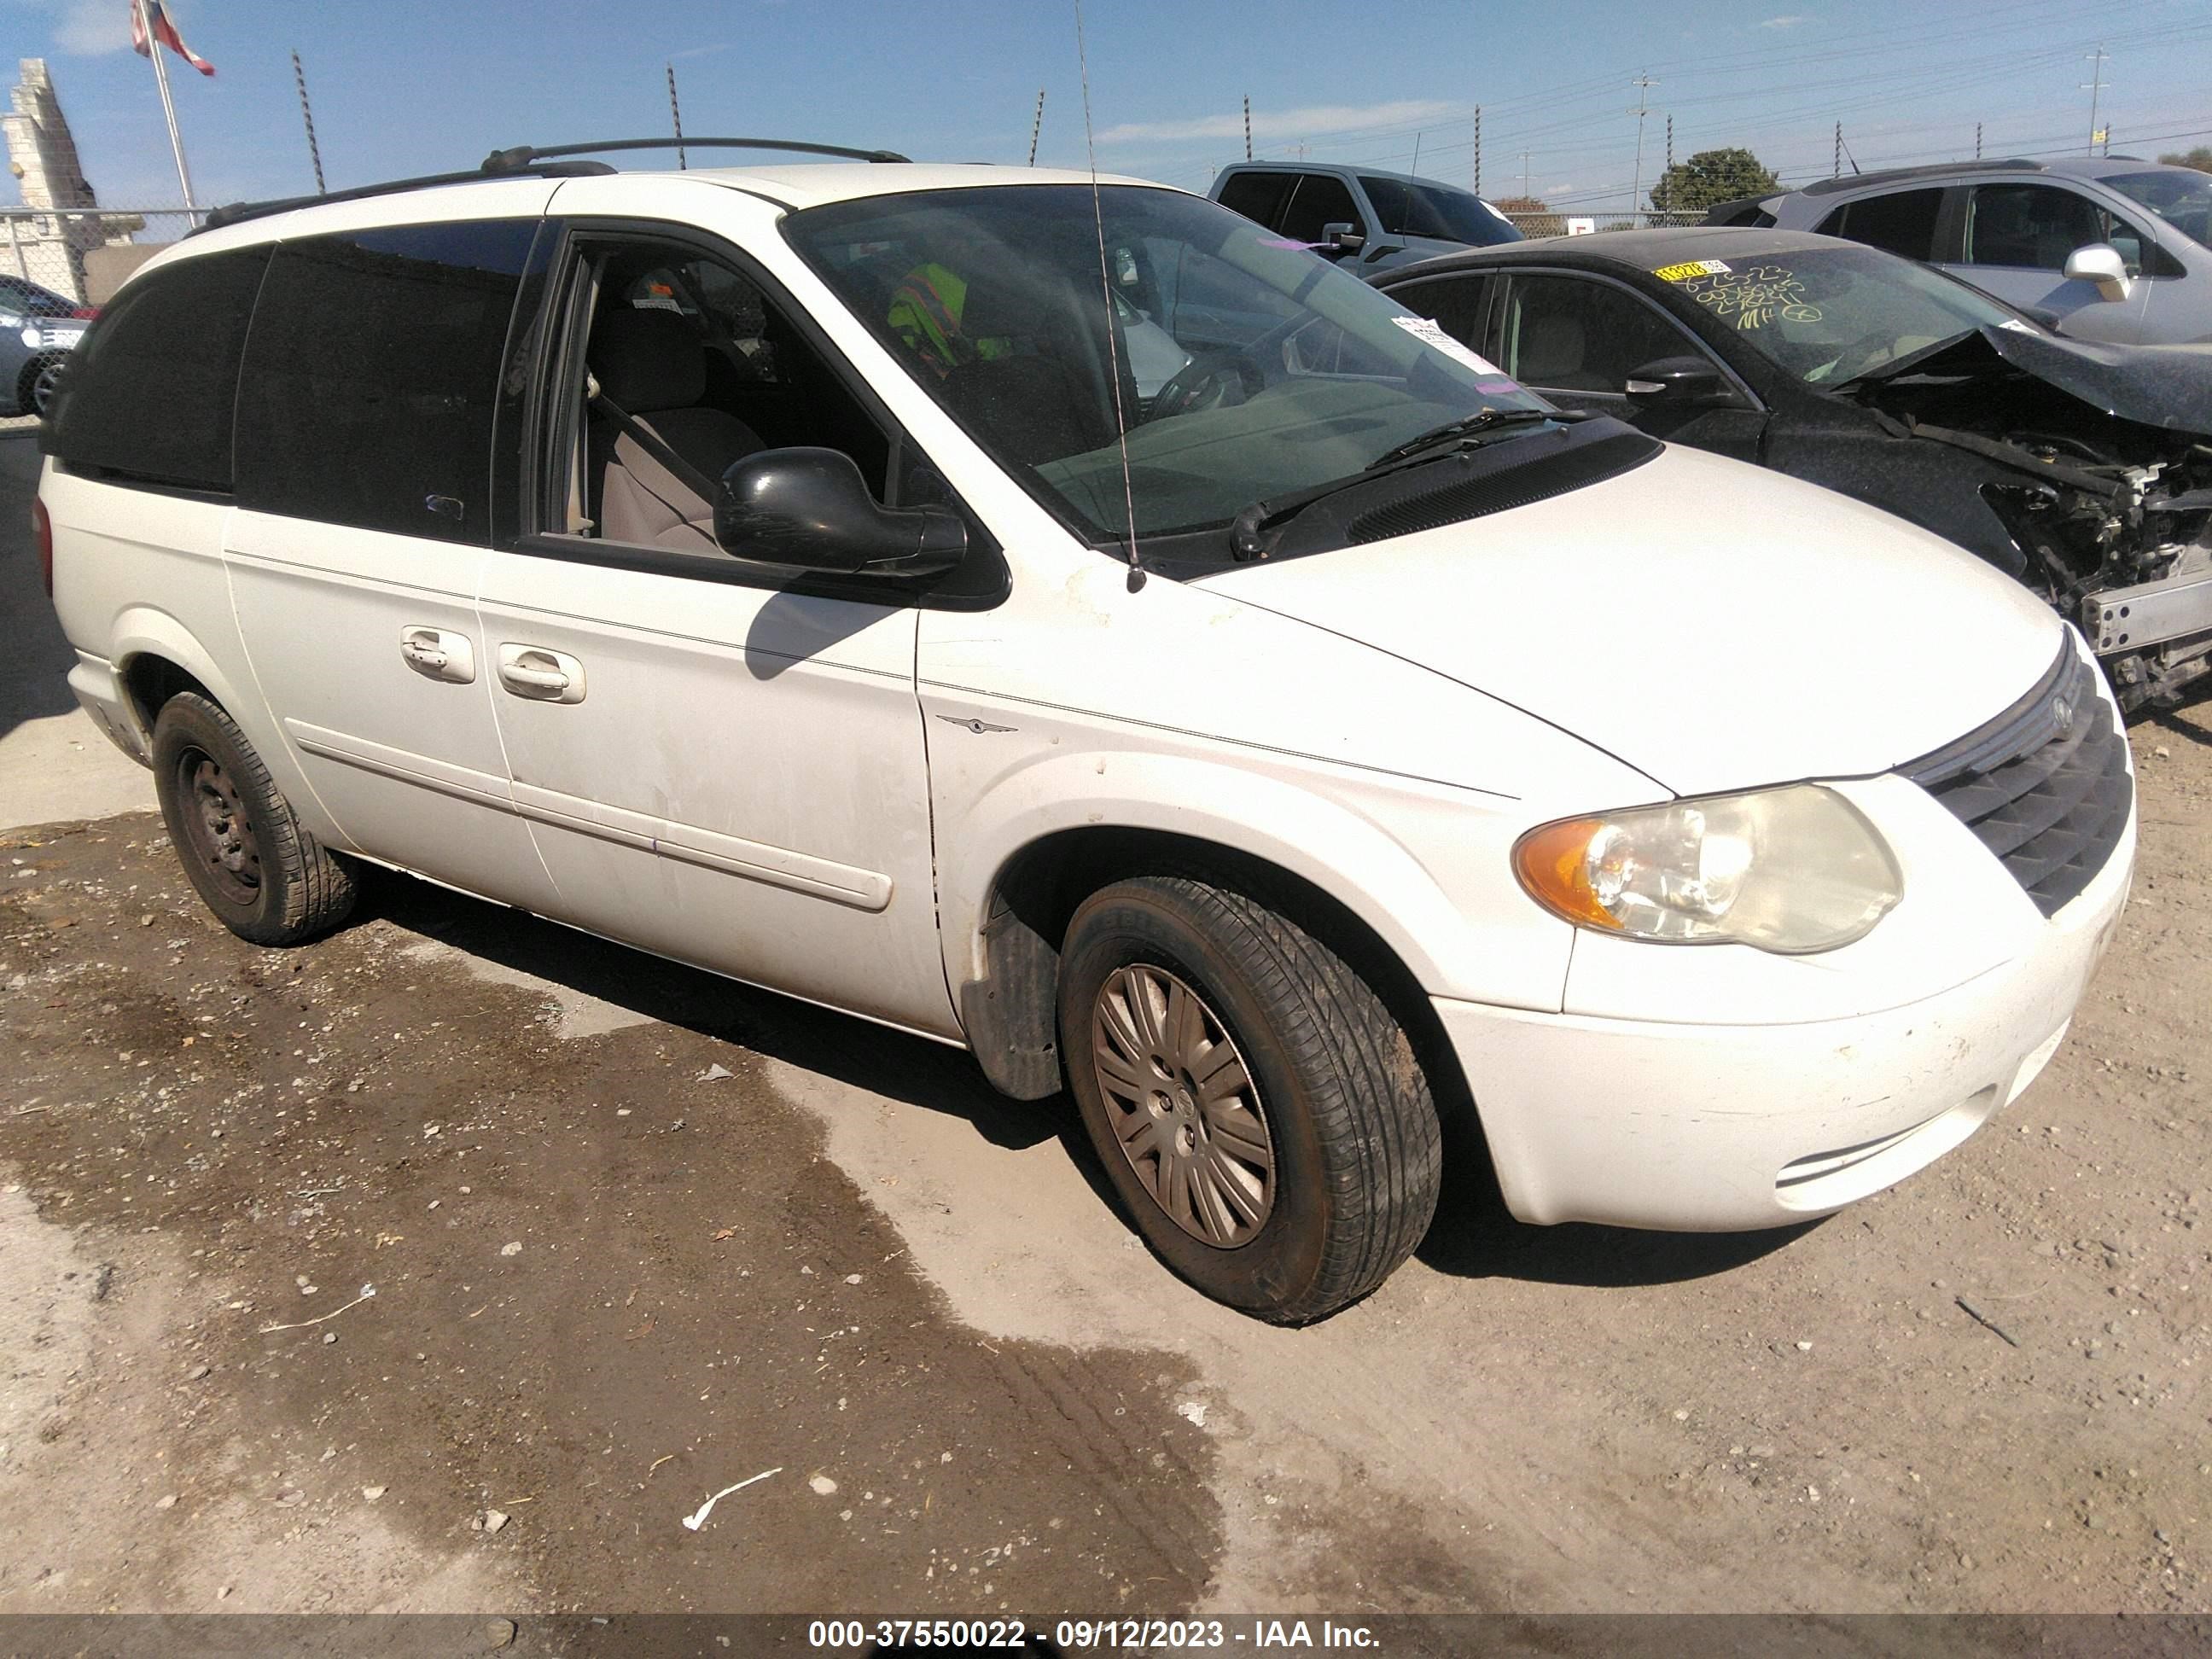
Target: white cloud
<point x="88" y="27"/>
<point x="1314" y="119"/>
<point x="1789" y="22"/>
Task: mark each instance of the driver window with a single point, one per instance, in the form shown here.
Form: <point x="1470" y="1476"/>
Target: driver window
<point x="1321" y="200"/>
<point x="2035" y="227"/>
<point x="1565" y="334"/>
<point x="690" y="369"/>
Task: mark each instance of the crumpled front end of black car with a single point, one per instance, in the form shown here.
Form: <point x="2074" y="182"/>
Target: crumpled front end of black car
<point x="2108" y="514"/>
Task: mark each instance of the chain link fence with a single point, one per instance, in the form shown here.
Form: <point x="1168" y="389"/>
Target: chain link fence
<point x="79" y="256"/>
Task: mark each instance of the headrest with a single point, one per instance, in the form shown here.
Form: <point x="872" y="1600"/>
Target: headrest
<point x="648" y="361"/>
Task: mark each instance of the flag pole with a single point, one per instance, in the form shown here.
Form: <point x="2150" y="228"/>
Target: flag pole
<point x="168" y="107"/>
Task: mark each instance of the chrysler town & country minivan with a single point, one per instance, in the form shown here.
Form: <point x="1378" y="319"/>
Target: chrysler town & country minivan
<point x="782" y="570"/>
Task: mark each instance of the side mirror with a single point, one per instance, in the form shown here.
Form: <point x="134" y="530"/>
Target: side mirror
<point x="1679" y="383"/>
<point x="810" y="508"/>
<point x="2099" y="263"/>
<point x="1343" y="237"/>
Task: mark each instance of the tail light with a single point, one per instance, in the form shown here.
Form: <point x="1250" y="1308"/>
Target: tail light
<point x="88" y="313"/>
<point x="42" y="532"/>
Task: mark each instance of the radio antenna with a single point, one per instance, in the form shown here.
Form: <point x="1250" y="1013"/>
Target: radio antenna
<point x="1106" y="294"/>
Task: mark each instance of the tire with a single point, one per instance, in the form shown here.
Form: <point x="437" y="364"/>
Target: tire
<point x="266" y="879"/>
<point x="43" y="377"/>
<point x="1261" y="1082"/>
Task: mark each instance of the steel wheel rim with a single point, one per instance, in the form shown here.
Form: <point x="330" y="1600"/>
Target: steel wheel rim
<point x="219" y="826"/>
<point x="1185" y="1111"/>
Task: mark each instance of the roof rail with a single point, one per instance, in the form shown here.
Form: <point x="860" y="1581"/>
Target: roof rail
<point x="233" y="213"/>
<point x="527" y="161"/>
<point x="524" y="156"/>
<point x="1935" y="170"/>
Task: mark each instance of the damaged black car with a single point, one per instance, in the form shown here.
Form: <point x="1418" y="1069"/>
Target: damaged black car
<point x="2083" y="470"/>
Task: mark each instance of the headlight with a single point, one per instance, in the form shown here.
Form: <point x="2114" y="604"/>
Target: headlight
<point x="1791" y="871"/>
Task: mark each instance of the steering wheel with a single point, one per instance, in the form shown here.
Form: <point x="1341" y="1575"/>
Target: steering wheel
<point x="1218" y="380"/>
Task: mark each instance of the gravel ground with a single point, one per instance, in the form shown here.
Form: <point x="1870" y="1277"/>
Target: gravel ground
<point x="635" y="1234"/>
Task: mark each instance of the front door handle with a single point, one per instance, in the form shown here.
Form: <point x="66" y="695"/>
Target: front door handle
<point x="542" y="676"/>
<point x="438" y="654"/>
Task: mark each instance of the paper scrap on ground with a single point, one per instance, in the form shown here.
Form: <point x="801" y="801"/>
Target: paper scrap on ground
<point x="697" y="1518"/>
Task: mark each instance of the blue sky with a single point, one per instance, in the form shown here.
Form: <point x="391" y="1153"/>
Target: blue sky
<point x="411" y="86"/>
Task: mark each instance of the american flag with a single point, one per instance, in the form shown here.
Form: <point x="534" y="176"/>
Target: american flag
<point x="150" y="18"/>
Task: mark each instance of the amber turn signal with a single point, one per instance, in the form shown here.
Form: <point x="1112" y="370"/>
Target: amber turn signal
<point x="1553" y="863"/>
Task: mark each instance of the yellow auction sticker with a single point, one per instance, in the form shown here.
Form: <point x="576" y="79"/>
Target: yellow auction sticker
<point x="1695" y="268"/>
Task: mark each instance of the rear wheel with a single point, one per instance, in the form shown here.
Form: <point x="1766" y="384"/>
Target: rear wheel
<point x="34" y="392"/>
<point x="265" y="878"/>
<point x="1259" y="1111"/>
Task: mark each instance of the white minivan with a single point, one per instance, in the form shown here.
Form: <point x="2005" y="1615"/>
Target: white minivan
<point x="785" y="571"/>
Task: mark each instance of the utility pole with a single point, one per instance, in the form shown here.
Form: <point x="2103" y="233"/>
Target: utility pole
<point x="1836" y="166"/>
<point x="1416" y="166"/>
<point x="314" y="154"/>
<point x="1524" y="176"/>
<point x="1247" y="126"/>
<point x="2094" y="86"/>
<point x="1670" y="143"/>
<point x="1478" y="150"/>
<point x="1977" y="141"/>
<point x="1643" y="83"/>
<point x="676" y="115"/>
<point x="1036" y="126"/>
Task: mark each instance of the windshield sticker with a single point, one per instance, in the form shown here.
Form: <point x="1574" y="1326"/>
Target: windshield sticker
<point x="1694" y="268"/>
<point x="1754" y="297"/>
<point x="1427" y="332"/>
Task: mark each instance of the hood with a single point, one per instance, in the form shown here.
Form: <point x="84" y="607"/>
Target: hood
<point x="1713" y="625"/>
<point x="2154" y="385"/>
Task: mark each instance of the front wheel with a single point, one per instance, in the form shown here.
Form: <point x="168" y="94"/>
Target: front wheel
<point x="264" y="877"/>
<point x="1259" y="1111"/>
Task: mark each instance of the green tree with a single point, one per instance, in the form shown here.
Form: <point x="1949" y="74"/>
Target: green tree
<point x="1535" y="218"/>
<point x="2200" y="158"/>
<point x="1710" y="177"/>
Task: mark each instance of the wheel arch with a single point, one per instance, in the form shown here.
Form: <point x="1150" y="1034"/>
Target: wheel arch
<point x="1332" y="872"/>
<point x="156" y="656"/>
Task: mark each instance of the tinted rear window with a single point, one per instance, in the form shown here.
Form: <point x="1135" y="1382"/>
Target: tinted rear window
<point x="149" y="395"/>
<point x="372" y="376"/>
<point x="1902" y="222"/>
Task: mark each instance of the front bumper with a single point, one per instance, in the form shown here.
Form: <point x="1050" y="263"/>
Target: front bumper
<point x="1714" y="1128"/>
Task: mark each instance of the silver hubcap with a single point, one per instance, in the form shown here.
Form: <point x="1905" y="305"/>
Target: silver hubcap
<point x="1184" y="1108"/>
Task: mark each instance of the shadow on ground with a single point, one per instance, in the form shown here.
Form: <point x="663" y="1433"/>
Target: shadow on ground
<point x="34" y="669"/>
<point x="1474" y="1237"/>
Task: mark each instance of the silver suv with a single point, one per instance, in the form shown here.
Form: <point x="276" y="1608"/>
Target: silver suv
<point x="2100" y="247"/>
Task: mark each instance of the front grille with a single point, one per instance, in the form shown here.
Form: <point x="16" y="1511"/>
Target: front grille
<point x="2044" y="786"/>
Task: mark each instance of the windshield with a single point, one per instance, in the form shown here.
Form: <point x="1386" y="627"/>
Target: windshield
<point x="1828" y="315"/>
<point x="2180" y="196"/>
<point x="1248" y="367"/>
<point x="1417" y="207"/>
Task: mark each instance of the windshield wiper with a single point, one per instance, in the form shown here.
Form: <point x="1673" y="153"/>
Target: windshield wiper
<point x="1252" y="532"/>
<point x="1483" y="420"/>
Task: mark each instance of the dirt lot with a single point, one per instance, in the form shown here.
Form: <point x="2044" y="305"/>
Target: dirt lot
<point x="635" y="1234"/>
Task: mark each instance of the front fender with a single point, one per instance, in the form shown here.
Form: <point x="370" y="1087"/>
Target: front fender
<point x="1422" y="865"/>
